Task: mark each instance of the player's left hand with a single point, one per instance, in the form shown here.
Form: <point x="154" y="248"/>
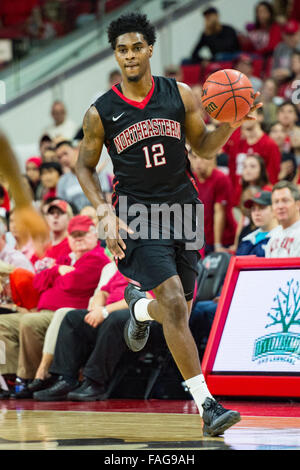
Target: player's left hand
<point x="248" y="116"/>
<point x="30" y="224"/>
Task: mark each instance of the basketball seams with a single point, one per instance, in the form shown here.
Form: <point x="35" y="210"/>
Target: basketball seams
<point x="228" y="99"/>
<point x="235" y="105"/>
<point x="227" y="91"/>
<point x="217" y="94"/>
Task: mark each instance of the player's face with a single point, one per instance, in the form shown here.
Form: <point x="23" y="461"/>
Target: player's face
<point x="132" y="53"/>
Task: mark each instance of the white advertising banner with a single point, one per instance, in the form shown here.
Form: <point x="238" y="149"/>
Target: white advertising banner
<point x="262" y="329"/>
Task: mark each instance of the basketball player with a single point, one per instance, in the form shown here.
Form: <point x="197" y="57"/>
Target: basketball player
<point x="143" y="121"/>
<point x="28" y="221"/>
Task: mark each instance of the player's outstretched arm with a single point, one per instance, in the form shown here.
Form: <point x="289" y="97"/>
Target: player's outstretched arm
<point x="205" y="143"/>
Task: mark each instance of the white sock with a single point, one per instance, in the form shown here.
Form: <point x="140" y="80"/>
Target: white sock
<point x="141" y="310"/>
<point x="199" y="391"/>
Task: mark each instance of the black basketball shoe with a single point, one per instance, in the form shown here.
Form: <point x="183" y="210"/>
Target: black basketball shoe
<point x="136" y="332"/>
<point x="216" y="418"/>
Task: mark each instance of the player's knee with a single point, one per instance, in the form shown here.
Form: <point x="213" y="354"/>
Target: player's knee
<point x="175" y="308"/>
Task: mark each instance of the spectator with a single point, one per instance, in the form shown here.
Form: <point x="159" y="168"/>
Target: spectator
<point x="57" y="214"/>
<point x="10" y="255"/>
<point x="45" y="144"/>
<point x="24" y="246"/>
<point x="215" y="191"/>
<point x="62" y="126"/>
<point x="50" y="174"/>
<point x="70" y="283"/>
<point x="87" y="349"/>
<point x="244" y="64"/>
<point x="254" y="141"/>
<point x="254" y="178"/>
<point x="260" y="206"/>
<point x="288" y="164"/>
<point x="284" y="239"/>
<point x="270" y="101"/>
<point x="173" y="71"/>
<point x="221" y="40"/>
<point x="32" y="167"/>
<point x="278" y="134"/>
<point x="91" y="212"/>
<point x="254" y="174"/>
<point x="288" y="116"/>
<point x="265" y="33"/>
<point x="68" y="187"/>
<point x="287" y="89"/>
<point x="43" y="378"/>
<point x="50" y="156"/>
<point x="282" y="56"/>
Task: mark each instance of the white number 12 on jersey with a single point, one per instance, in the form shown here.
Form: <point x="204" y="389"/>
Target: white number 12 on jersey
<point x="157" y="155"/>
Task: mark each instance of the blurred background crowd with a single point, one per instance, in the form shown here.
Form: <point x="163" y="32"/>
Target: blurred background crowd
<point x="237" y="186"/>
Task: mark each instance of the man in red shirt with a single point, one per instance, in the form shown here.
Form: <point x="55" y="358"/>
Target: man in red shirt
<point x="253" y="141"/>
<point x="215" y="191"/>
<point x="58" y="215"/>
<point x="69" y="283"/>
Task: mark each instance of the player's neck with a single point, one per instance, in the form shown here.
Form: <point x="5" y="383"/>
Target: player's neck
<point x="137" y="91"/>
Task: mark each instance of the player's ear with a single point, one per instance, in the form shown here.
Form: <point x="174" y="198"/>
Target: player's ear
<point x="150" y="49"/>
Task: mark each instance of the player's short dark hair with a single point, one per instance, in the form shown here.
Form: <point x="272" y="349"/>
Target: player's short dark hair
<point x="131" y="23"/>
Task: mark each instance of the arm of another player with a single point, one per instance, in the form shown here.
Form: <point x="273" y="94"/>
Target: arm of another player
<point x="204" y="143"/>
<point x="88" y="158"/>
<point x="28" y="220"/>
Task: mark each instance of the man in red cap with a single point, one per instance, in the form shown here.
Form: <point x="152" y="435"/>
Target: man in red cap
<point x="57" y="214"/>
<point x="69" y="283"/>
<point x="282" y="56"/>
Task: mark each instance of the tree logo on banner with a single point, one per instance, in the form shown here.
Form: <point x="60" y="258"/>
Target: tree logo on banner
<point x="285" y="314"/>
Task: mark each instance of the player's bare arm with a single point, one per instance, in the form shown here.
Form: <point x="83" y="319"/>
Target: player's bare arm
<point x="206" y="143"/>
<point x="88" y="158"/>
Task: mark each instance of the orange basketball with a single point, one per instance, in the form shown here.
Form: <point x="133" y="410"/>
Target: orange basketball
<point x="227" y="95"/>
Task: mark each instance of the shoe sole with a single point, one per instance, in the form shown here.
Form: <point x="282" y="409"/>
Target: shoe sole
<point x="219" y="427"/>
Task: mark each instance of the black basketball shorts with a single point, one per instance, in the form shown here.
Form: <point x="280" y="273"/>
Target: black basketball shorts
<point x="149" y="265"/>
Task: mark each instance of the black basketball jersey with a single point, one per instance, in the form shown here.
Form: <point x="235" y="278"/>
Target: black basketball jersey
<point x="146" y="142"/>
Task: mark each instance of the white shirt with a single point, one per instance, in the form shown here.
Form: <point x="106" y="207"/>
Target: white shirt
<point x="284" y="243"/>
<point x="67" y="129"/>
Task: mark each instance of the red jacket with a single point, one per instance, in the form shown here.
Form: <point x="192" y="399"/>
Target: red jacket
<point x="75" y="288"/>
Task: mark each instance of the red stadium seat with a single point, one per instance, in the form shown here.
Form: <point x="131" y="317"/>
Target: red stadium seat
<point x="191" y="74"/>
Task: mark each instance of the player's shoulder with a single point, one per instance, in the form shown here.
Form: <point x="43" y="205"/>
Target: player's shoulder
<point x="104" y="97"/>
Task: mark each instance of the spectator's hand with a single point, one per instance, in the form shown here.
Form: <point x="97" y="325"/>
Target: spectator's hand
<point x="94" y="317"/>
<point x="64" y="269"/>
<point x="248" y="117"/>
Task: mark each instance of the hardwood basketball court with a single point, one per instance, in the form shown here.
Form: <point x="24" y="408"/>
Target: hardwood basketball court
<point x="119" y="424"/>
